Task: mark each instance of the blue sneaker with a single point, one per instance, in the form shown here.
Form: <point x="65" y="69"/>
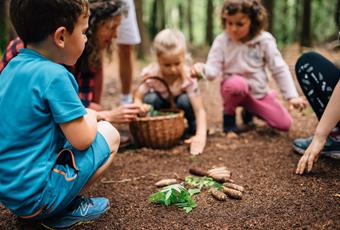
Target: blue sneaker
<point x="331" y="148"/>
<point x="82" y="210"/>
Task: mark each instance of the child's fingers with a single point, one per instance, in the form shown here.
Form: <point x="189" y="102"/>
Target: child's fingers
<point x="301" y="165"/>
<point x="188" y="141"/>
<point x="195" y="149"/>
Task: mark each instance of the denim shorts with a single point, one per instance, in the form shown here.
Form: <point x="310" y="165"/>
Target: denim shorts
<point x="72" y="170"/>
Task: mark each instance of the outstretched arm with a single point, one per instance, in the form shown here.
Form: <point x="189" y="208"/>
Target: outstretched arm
<point x="197" y="142"/>
<point x="328" y="121"/>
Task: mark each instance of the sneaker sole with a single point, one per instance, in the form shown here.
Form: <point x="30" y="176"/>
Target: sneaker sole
<point x="88" y="220"/>
<point x="331" y="154"/>
<point x="71" y="227"/>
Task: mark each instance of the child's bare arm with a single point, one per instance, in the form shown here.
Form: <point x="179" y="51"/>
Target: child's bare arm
<point x="82" y="131"/>
<point x="328" y="121"/>
<point x="197" y="142"/>
<point x="138" y="95"/>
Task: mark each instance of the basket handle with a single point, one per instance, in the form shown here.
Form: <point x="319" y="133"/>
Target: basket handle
<point x="171" y="97"/>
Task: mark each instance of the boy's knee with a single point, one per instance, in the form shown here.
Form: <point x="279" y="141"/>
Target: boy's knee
<point x="110" y="134"/>
<point x="236" y="85"/>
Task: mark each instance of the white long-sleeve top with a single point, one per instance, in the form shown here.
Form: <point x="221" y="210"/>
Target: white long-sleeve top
<point x="250" y="60"/>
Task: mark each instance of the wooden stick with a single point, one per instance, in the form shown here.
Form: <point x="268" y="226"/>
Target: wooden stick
<point x="218" y="195"/>
<point x="234" y="186"/>
<point x="165" y="182"/>
<point x="198" y="172"/>
<point x="232" y="193"/>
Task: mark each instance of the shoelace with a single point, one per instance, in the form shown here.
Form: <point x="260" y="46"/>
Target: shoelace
<point x="86" y="200"/>
<point x="84" y="204"/>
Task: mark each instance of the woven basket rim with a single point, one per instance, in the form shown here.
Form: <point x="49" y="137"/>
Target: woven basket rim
<point x="178" y="112"/>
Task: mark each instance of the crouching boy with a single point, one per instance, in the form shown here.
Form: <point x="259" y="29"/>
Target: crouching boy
<point x="51" y="147"/>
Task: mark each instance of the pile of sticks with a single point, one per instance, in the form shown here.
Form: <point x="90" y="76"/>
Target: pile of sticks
<point x="223" y="176"/>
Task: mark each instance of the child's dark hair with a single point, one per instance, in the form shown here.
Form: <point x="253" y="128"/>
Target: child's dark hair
<point x="101" y="10"/>
<point x="34" y="20"/>
<point x="253" y="8"/>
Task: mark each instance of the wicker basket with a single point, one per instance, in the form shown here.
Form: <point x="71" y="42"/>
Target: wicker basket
<point x="162" y="131"/>
<point x="158" y="132"/>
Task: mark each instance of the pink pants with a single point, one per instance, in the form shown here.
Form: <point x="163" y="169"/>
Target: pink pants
<point x="235" y="92"/>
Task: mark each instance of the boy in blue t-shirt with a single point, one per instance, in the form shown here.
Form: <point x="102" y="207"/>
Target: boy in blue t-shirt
<point x="51" y="147"/>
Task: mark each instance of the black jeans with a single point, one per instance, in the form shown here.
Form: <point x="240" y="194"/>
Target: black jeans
<point x="317" y="77"/>
<point x="182" y="102"/>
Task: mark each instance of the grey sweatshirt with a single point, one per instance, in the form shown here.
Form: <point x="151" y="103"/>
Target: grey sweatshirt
<point x="250" y="60"/>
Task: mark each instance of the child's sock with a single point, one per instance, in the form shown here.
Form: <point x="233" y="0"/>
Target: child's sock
<point x="229" y="123"/>
<point x="126" y="99"/>
<point x="247" y="117"/>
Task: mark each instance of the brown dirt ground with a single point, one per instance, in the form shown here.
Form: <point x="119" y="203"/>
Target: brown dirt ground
<point x="262" y="160"/>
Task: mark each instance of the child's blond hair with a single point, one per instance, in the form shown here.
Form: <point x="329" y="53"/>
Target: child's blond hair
<point x="169" y="40"/>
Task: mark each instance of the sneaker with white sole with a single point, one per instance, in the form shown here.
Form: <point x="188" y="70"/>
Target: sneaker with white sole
<point x="331" y="148"/>
<point x="82" y="210"/>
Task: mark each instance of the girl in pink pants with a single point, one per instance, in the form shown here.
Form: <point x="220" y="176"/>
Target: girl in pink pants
<point x="242" y="55"/>
<point x="235" y="92"/>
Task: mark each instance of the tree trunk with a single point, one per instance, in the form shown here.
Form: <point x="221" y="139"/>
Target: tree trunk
<point x="153" y="20"/>
<point x="297" y="30"/>
<point x="190" y="27"/>
<point x="4" y="24"/>
<point x="306" y="40"/>
<point x="337" y="15"/>
<point x="269" y="5"/>
<point x="139" y="15"/>
<point x="209" y="36"/>
<point x="285" y="33"/>
<point x="181" y="16"/>
<point x="157" y="17"/>
<point x="162" y="14"/>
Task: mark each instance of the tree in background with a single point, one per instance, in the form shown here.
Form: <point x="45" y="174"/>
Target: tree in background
<point x="209" y="29"/>
<point x="139" y="15"/>
<point x="306" y="40"/>
<point x="337" y="15"/>
<point x="269" y="5"/>
<point x="181" y="16"/>
<point x="189" y="21"/>
<point x="157" y="18"/>
<point x="4" y="24"/>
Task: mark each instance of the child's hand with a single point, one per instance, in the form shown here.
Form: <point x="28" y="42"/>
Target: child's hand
<point x="298" y="103"/>
<point x="122" y="114"/>
<point x="197" y="144"/>
<point x="311" y="155"/>
<point x="144" y="109"/>
<point x="197" y="71"/>
<point x="100" y="117"/>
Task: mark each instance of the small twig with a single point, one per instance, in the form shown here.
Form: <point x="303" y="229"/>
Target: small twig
<point x="104" y="181"/>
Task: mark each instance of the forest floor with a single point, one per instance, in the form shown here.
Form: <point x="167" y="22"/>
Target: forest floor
<point x="261" y="160"/>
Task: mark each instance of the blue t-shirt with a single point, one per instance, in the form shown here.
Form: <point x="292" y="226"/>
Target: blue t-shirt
<point x="36" y="95"/>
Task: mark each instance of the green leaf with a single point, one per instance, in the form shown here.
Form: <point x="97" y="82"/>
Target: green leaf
<point x="202" y="182"/>
<point x="175" y="194"/>
<point x="194" y="191"/>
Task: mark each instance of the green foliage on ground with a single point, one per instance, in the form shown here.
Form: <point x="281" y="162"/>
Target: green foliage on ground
<point x="175" y="194"/>
<point x="202" y="182"/>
